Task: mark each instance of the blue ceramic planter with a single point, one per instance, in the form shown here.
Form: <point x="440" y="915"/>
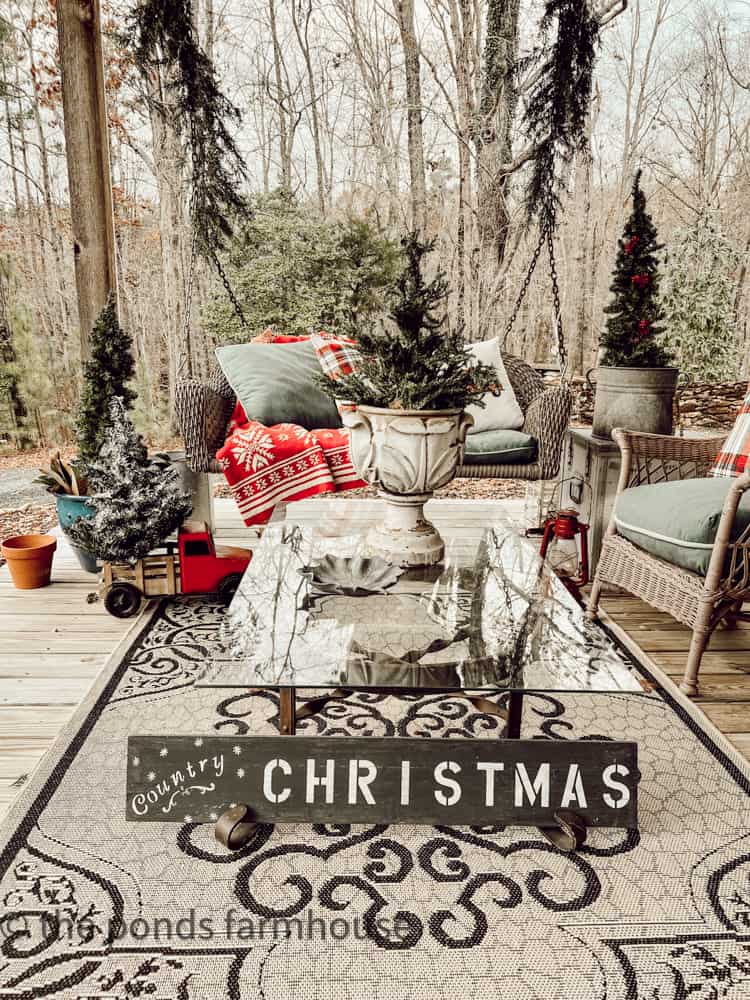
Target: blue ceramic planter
<point x="69" y="510"/>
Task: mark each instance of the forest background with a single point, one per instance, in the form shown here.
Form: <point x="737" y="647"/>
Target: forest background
<point x="358" y="119"/>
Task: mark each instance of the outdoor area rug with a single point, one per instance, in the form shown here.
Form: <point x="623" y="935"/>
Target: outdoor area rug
<point x="93" y="906"/>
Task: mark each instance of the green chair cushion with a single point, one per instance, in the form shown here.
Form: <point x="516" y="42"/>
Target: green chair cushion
<point x="500" y="447"/>
<point x="677" y="521"/>
<point x="275" y="384"/>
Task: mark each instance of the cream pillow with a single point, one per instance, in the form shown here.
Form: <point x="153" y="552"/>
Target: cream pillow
<point x="500" y="412"/>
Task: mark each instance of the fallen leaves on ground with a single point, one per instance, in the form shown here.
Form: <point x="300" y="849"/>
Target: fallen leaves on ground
<point x="37" y="458"/>
<point x="32" y="519"/>
<point x="459" y="489"/>
<point x="34" y="458"/>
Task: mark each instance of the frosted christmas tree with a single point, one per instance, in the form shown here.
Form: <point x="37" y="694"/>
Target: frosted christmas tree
<point x="138" y="502"/>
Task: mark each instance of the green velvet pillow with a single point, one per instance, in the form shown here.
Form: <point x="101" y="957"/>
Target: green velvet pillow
<point x="275" y="383"/>
<point x="500" y="447"/>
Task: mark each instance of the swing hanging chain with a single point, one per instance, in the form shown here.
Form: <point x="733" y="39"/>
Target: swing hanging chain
<point x="525" y="285"/>
<point x="546" y="235"/>
<point x="561" y="349"/>
<point x="228" y="288"/>
<point x="184" y="366"/>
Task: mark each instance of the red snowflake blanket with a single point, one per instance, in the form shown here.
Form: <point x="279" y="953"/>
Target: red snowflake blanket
<point x="265" y="466"/>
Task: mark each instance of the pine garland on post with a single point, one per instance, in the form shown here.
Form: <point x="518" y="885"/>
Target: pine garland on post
<point x="162" y="37"/>
<point x="633" y="327"/>
<point x="105" y="376"/>
<point x="137" y="502"/>
<point x="413" y="362"/>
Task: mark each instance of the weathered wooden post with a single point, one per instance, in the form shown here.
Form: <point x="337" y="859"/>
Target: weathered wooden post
<point x="87" y="154"/>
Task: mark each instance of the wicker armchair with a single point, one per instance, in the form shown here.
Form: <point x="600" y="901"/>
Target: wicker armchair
<point x="699" y="602"/>
<point x="203" y="412"/>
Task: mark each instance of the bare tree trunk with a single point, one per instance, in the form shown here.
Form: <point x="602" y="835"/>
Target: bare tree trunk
<point x="494" y="139"/>
<point x="302" y="31"/>
<point x="463" y="31"/>
<point x="87" y="154"/>
<point x="208" y="29"/>
<point x="580" y="265"/>
<point x="418" y="187"/>
<point x="11" y="146"/>
<point x="285" y="139"/>
<point x="168" y="168"/>
<point x="578" y="284"/>
<point x="53" y="234"/>
<point x="36" y="246"/>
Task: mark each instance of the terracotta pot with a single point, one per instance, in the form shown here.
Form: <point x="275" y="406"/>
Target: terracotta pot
<point x="29" y="559"/>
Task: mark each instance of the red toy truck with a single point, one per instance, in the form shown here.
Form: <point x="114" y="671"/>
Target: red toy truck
<point x="200" y="567"/>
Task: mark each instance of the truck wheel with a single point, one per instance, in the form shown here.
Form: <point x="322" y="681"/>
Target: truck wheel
<point x="122" y="600"/>
<point x="228" y="586"/>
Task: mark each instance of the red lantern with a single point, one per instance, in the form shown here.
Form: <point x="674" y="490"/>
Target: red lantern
<point x="565" y="546"/>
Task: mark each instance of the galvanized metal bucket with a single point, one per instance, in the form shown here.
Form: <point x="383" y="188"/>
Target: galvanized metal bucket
<point x="636" y="399"/>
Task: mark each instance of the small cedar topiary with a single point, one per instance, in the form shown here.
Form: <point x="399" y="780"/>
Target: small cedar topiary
<point x="106" y="375"/>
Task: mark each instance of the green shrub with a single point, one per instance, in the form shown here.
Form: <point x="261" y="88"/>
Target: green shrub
<point x="698" y="300"/>
<point x="296" y="272"/>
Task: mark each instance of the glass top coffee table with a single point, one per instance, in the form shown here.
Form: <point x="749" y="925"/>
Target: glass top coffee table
<point x="314" y="611"/>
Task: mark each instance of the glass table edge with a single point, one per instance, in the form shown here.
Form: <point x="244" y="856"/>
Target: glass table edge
<point x="384" y="688"/>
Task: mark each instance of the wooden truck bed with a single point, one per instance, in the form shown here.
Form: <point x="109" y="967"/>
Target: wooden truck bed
<point x="155" y="575"/>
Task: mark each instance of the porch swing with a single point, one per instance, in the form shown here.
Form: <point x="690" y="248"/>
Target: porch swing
<point x="546" y="409"/>
<point x="203" y="409"/>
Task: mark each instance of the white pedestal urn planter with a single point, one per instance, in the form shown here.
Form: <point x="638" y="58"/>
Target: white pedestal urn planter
<point x="408" y="454"/>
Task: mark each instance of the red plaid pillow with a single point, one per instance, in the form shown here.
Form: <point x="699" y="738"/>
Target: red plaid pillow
<point x="338" y="356"/>
<point x="732" y="459"/>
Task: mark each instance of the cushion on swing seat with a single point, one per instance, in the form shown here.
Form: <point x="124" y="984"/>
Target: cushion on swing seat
<point x="500" y="447"/>
<point x="677" y="521"/>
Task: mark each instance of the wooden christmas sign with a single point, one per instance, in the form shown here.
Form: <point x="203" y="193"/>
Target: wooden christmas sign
<point x="325" y="779"/>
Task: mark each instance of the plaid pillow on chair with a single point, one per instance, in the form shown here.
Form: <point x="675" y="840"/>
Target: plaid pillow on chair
<point x="337" y="355"/>
<point x="732" y="460"/>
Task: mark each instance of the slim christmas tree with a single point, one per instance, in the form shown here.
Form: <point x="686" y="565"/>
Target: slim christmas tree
<point x="105" y="375"/>
<point x="413" y="362"/>
<point x="137" y="502"/>
<point x="631" y="338"/>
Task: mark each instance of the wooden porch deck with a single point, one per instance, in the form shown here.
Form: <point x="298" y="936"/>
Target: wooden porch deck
<point x="53" y="645"/>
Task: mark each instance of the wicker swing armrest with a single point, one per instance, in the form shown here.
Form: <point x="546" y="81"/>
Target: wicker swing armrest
<point x="654" y="458"/>
<point x="547" y="418"/>
<point x="202" y="414"/>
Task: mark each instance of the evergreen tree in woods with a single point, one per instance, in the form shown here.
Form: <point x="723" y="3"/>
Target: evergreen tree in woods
<point x="137" y="502"/>
<point x="698" y="296"/>
<point x="105" y="376"/>
<point x="632" y="334"/>
<point x="413" y="362"/>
